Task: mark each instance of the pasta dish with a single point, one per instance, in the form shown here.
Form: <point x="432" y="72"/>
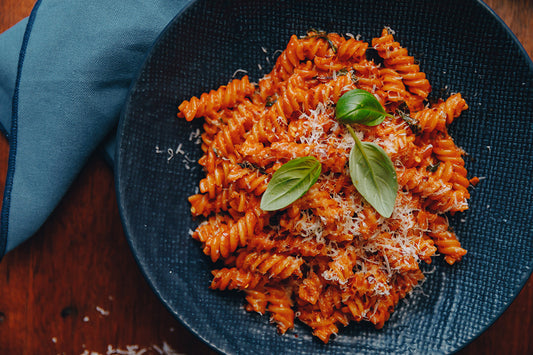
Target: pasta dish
<point x="329" y="257"/>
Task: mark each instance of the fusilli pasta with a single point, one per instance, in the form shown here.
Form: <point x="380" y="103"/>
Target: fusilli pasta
<point x="328" y="258"/>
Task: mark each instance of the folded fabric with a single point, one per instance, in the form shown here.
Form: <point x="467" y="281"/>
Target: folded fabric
<point x="64" y="76"/>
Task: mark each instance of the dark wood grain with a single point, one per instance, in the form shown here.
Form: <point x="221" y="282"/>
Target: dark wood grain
<point x="75" y="288"/>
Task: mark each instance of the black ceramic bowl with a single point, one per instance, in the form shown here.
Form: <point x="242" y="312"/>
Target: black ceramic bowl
<point x="460" y="45"/>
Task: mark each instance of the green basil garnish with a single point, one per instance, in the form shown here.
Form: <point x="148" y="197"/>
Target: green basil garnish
<point x="373" y="175"/>
<point x="433" y="167"/>
<point x="290" y="182"/>
<point x="413" y="123"/>
<point x="360" y="106"/>
<point x="371" y="169"/>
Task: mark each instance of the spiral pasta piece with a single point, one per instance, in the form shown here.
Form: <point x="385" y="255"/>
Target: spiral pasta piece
<point x="310" y="288"/>
<point x="280" y="308"/>
<point x="368" y="78"/>
<point x="351" y="49"/>
<point x="271" y="264"/>
<point x="257" y="299"/>
<point x="224" y="97"/>
<point x="329" y="92"/>
<point x="221" y="236"/>
<point x="436" y="188"/>
<point x="446" y="241"/>
<point x="298" y="50"/>
<point x="440" y="116"/>
<point x="324" y="327"/>
<point x="295" y="245"/>
<point x="397" y="58"/>
<point x="234" y="278"/>
<point x="227" y="199"/>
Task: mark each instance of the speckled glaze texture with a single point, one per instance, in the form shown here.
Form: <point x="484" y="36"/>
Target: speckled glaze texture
<point x="460" y="45"/>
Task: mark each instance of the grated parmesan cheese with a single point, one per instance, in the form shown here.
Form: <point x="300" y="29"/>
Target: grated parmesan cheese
<point x="239" y="71"/>
<point x="102" y="311"/>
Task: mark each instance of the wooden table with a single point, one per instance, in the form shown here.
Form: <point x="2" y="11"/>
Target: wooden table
<point x="75" y="288"/>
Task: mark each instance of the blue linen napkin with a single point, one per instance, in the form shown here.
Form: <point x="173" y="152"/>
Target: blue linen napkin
<point x="64" y="75"/>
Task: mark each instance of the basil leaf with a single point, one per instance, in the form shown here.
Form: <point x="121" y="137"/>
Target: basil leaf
<point x="360" y="106"/>
<point x="290" y="182"/>
<point x="374" y="176"/>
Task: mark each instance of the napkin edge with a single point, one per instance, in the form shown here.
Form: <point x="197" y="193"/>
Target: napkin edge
<point x="12" y="137"/>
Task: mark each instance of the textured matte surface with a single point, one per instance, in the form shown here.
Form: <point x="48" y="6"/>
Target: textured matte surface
<point x="461" y="47"/>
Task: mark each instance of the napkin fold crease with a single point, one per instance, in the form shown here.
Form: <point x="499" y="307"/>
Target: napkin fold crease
<point x="65" y="72"/>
